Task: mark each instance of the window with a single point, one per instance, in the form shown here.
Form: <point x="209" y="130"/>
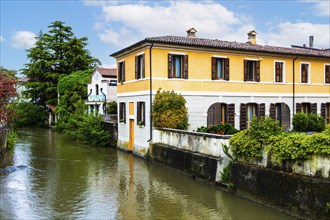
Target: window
<point x="281" y="113"/>
<point x="325" y="112"/>
<point x="221" y="113"/>
<point x="96" y="89"/>
<point x="121" y="72"/>
<point x="248" y="111"/>
<point x="252" y="70"/>
<point x="177" y="66"/>
<point x="122" y="112"/>
<point x="279" y="72"/>
<point x="113" y="83"/>
<point x="304" y="73"/>
<point x="139" y="67"/>
<point x="306" y="107"/>
<point x="140" y="118"/>
<point x="220" y="68"/>
<point x="327" y="73"/>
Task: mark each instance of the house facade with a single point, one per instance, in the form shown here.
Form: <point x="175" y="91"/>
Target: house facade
<point x="102" y="89"/>
<point x="222" y="82"/>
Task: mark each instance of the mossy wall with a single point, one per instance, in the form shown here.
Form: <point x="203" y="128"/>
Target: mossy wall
<point x="194" y="164"/>
<point x="300" y="195"/>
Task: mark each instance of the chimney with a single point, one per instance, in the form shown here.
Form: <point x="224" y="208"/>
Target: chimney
<point x="311" y="41"/>
<point x="191" y="33"/>
<point x="252" y="37"/>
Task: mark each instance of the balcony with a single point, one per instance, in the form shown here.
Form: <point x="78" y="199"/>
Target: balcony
<point x="96" y="98"/>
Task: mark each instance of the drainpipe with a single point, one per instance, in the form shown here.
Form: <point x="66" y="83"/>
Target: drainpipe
<point x="150" y="81"/>
<point x="105" y="101"/>
<point x="293" y="85"/>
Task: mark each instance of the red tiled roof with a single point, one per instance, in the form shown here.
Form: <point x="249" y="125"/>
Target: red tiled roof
<point x="106" y="72"/>
<point x="209" y="43"/>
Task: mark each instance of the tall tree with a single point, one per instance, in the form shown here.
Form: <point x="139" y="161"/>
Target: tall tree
<point x="56" y="54"/>
<point x="7" y="91"/>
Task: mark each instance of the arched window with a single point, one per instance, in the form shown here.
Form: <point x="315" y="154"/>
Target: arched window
<point x="281" y="113"/>
<point x="221" y="113"/>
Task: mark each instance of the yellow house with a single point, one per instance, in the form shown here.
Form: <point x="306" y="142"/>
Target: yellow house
<point x="221" y="81"/>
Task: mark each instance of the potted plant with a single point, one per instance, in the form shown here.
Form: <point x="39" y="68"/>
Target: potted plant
<point x="140" y="124"/>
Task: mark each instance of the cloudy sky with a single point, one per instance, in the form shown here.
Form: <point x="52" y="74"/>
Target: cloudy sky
<point x="112" y="25"/>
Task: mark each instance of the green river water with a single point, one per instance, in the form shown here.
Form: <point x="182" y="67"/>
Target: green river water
<point x="58" y="178"/>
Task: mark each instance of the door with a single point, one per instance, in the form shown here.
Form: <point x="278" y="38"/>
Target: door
<point x="131" y="135"/>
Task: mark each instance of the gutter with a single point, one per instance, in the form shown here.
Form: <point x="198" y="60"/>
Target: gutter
<point x="293" y="86"/>
<point x="150" y="95"/>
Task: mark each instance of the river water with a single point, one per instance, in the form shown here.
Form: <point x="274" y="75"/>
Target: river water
<point x="58" y="178"/>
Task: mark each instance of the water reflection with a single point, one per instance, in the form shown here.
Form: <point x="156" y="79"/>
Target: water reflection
<point x="67" y="180"/>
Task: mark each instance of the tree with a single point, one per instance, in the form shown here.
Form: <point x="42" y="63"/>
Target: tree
<point x="55" y="55"/>
<point x="7" y="91"/>
<point x="71" y="89"/>
<point x="169" y="110"/>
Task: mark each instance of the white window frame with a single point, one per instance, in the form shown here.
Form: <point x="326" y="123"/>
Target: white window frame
<point x="283" y="71"/>
<point x="309" y="73"/>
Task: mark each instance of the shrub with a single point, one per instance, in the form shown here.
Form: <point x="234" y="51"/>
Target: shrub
<point x="245" y="147"/>
<point x="227" y="129"/>
<point x="295" y="146"/>
<point x="248" y="144"/>
<point x="85" y="128"/>
<point x="112" y="107"/>
<point x="169" y="110"/>
<point x="29" y="115"/>
<point x="303" y="122"/>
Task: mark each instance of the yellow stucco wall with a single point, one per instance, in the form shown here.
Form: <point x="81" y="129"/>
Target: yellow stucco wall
<point x="199" y="72"/>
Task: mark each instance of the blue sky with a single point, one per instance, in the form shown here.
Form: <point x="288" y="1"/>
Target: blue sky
<point x="112" y="25"/>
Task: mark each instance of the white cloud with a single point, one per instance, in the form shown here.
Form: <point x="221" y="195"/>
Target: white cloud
<point x="137" y="21"/>
<point x="322" y="7"/>
<point x="124" y="23"/>
<point x="298" y="34"/>
<point x="2" y="38"/>
<point x="23" y="40"/>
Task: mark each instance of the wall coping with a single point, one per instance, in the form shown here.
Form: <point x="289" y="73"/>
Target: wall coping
<point x="193" y="133"/>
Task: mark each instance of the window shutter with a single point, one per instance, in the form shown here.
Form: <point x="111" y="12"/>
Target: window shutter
<point x="136" y="67"/>
<point x="143" y="66"/>
<point x="246" y="70"/>
<point x="214" y="73"/>
<point x="144" y="113"/>
<point x="327" y="74"/>
<point x="123" y="77"/>
<point x="323" y="110"/>
<point x="261" y="110"/>
<point x="185" y="66"/>
<point x="258" y="71"/>
<point x="226" y="76"/>
<point x="170" y="71"/>
<point x="119" y="72"/>
<point x="272" y="111"/>
<point x="243" y="124"/>
<point x="298" y="107"/>
<point x="231" y="114"/>
<point x="314" y="108"/>
<point x="124" y="104"/>
<point x="277" y="72"/>
<point x="138" y="112"/>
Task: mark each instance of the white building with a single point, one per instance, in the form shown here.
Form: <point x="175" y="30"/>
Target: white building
<point x="101" y="90"/>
